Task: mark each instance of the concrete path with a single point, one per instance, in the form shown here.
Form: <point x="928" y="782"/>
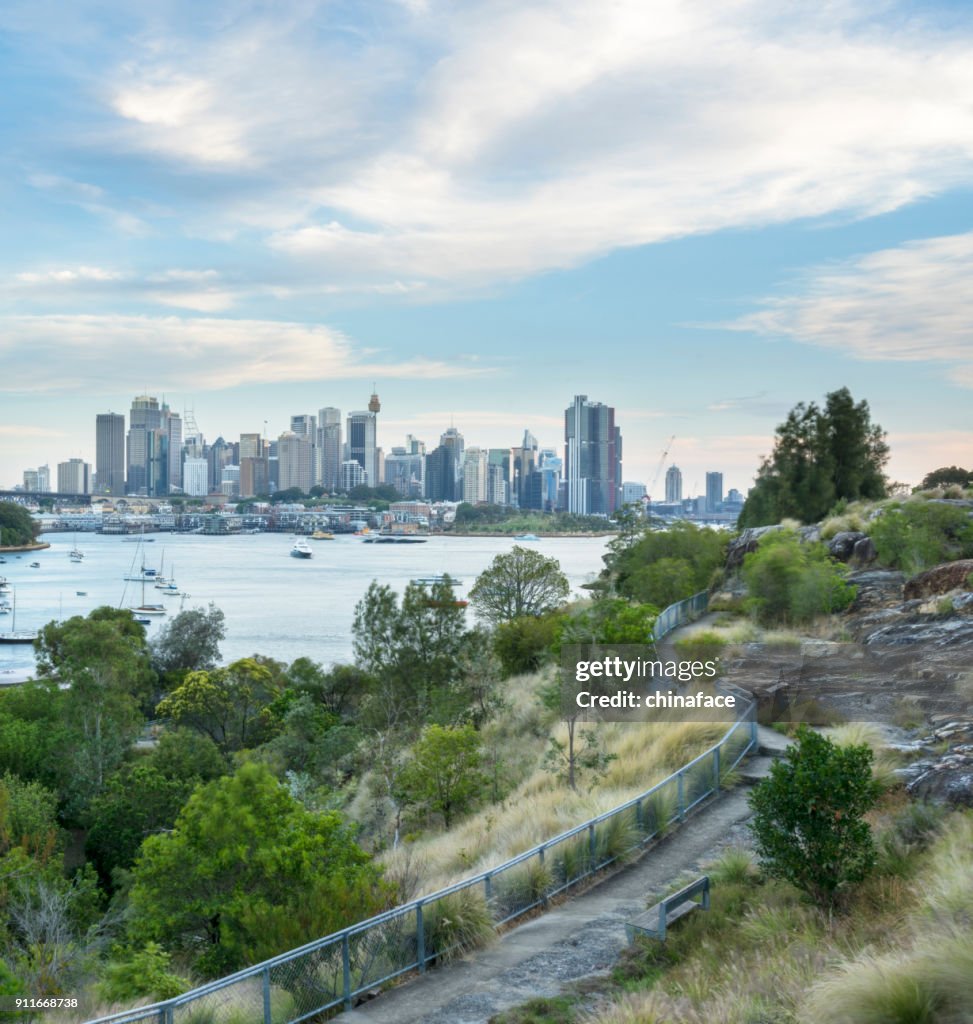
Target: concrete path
<point x="583" y="936"/>
<point x="579" y="938"/>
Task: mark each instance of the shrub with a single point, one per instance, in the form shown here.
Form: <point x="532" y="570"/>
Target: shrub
<point x="790" y="581"/>
<point x="916" y="535"/>
<point x="524" y="645"/>
<point x="147" y="972"/>
<point x="457" y="924"/>
<point x="808" y="822"/>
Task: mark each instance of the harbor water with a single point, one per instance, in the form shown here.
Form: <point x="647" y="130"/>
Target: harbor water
<point x="274" y="605"/>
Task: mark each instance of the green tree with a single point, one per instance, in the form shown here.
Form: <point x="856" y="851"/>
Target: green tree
<point x="582" y="754"/>
<point x="820" y="456"/>
<point x="945" y="476"/>
<point x="189" y="642"/>
<point x="103" y="660"/>
<point x="808" y="816"/>
<point x="246" y="872"/>
<point x="231" y="705"/>
<point x="523" y="645"/>
<point x="521" y="582"/>
<point x="412" y="651"/>
<point x="144" y="797"/>
<point x="28" y="818"/>
<point x="17" y="527"/>
<point x="663" y="566"/>
<point x="444" y="773"/>
<point x="792" y="581"/>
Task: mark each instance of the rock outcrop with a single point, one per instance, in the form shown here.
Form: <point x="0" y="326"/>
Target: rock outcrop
<point x="941" y="579"/>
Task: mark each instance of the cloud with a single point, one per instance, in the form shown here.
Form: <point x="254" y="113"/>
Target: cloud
<point x="67" y="353"/>
<point x="911" y="304"/>
<point x="20" y="430"/>
<point x="464" y="144"/>
<point x="69" y="275"/>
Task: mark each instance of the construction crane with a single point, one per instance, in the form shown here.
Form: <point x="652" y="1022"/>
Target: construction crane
<point x="662" y="462"/>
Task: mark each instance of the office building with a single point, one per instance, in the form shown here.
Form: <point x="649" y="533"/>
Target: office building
<point x="441" y="474"/>
<point x="172" y="424"/>
<point x="523" y="463"/>
<point x="632" y="493"/>
<point x="475" y="475"/>
<point x="328" y="448"/>
<point x="361" y="445"/>
<point x="110" y="453"/>
<point x="74" y="477"/>
<point x="350" y="475"/>
<point x="230" y="481"/>
<point x="592" y="458"/>
<point x="295" y="462"/>
<point x="38" y="480"/>
<point x="144" y="418"/>
<point x="714" y="491"/>
<point x="218" y="455"/>
<point x="673" y="485"/>
<point x="405" y="470"/>
<point x="304" y="426"/>
<point x="195" y="476"/>
<point x="498" y="482"/>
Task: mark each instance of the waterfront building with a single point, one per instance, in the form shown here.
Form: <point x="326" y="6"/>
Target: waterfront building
<point x="592" y="457"/>
<point x="673" y="485"/>
<point x="714" y="491"/>
<point x="110" y="453"/>
<point x="74" y="477"/>
<point x="328" y="448"/>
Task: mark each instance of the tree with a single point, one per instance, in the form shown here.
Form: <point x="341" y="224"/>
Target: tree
<point x="820" y="456"/>
<point x="522" y="582"/>
<point x="230" y="705"/>
<point x="661" y="567"/>
<point x="144" y="797"/>
<point x="916" y="535"/>
<point x="523" y="645"/>
<point x="189" y="642"/>
<point x="582" y="754"/>
<point x="246" y="872"/>
<point x="808" y="816"/>
<point x="945" y="476"/>
<point x="104" y="661"/>
<point x="17" y="527"/>
<point x="444" y="773"/>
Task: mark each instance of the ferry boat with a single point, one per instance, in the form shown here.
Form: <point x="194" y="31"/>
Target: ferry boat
<point x="322" y="535"/>
<point x="301" y="549"/>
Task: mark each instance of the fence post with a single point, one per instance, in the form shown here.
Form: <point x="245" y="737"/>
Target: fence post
<point x="488" y="887"/>
<point x="266" y="987"/>
<point x="540" y="860"/>
<point x="680" y="796"/>
<point x="753" y="725"/>
<point x="346" y="969"/>
<point x="639" y="823"/>
<point x="592" y="846"/>
<point x="420" y="939"/>
<point x="716" y="768"/>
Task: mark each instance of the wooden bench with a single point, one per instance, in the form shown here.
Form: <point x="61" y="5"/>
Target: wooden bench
<point x="657" y="919"/>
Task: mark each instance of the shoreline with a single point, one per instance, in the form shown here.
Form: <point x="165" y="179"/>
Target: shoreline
<point x="37" y="546"/>
<point x="513" y="536"/>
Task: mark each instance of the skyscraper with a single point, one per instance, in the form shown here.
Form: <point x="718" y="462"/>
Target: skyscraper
<point x="673" y="485"/>
<point x="361" y="444"/>
<point x="144" y="418"/>
<point x="328" y="447"/>
<point x="304" y="425"/>
<point x="110" y="453"/>
<point x="172" y="424"/>
<point x="591" y="457"/>
<point x="74" y="477"/>
<point x="441" y="474"/>
<point x="475" y="475"/>
<point x="295" y="462"/>
<point x="714" y="491"/>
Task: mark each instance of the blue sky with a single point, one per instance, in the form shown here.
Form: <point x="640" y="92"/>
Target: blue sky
<point x="699" y="213"/>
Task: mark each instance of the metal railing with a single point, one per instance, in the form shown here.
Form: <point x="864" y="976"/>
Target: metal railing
<point x="680" y="613"/>
<point x="329" y="973"/>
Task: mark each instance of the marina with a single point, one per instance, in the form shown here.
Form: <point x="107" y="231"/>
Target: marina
<point x="274" y="604"/>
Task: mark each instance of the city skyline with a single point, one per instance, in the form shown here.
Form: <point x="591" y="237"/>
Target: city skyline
<point x="703" y="214"/>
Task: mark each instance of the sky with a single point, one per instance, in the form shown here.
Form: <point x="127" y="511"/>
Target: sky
<point x="701" y="214"/>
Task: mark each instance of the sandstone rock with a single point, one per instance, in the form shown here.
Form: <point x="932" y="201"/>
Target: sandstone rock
<point x="745" y="543"/>
<point x="941" y="633"/>
<point x="842" y="545"/>
<point x="941" y="579"/>
<point x="865" y="551"/>
<point x="876" y="588"/>
<point x="949" y="780"/>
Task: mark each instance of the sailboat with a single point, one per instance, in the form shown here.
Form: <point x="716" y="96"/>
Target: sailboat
<point x="144" y="609"/>
<point x="76" y="554"/>
<point x="14" y="637"/>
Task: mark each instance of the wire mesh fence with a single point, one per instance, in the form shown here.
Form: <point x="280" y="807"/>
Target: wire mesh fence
<point x="331" y="973"/>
